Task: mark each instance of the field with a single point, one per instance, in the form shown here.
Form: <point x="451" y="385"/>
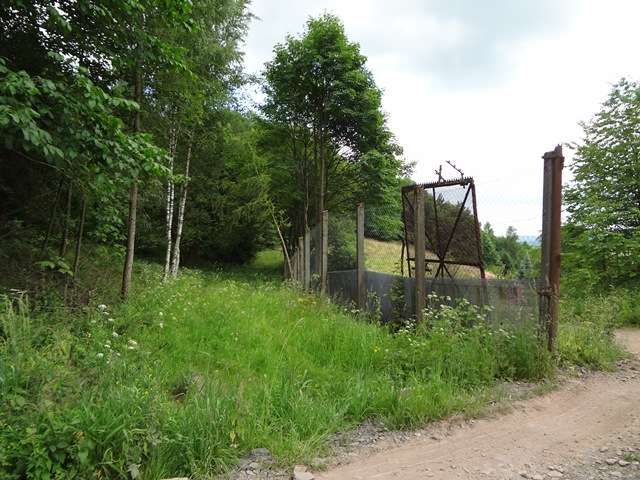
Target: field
<point x="381" y="256"/>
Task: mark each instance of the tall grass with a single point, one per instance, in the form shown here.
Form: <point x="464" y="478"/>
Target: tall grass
<point x="586" y="336"/>
<point x="189" y="376"/>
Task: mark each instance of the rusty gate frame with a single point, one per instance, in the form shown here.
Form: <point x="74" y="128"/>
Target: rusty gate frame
<point x="441" y="261"/>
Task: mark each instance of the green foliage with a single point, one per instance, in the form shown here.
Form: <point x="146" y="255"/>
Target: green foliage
<point x="56" y="264"/>
<point x="507" y="256"/>
<point x="73" y="127"/>
<point x="586" y="336"/>
<point x="342" y="243"/>
<point x="189" y="376"/>
<point x="489" y="248"/>
<point x="383" y="219"/>
<point x="325" y="118"/>
<point x="601" y="243"/>
<point x="227" y="217"/>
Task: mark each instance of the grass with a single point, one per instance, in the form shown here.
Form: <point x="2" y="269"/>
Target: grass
<point x="189" y="376"/>
<point x="586" y="335"/>
<point x="384" y="256"/>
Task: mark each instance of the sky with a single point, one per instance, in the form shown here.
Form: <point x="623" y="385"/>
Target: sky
<point x="489" y="85"/>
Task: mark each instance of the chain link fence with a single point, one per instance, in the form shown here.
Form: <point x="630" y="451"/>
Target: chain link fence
<point x="454" y="262"/>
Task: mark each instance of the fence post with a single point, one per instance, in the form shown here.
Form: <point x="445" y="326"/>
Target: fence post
<point x="293" y="274"/>
<point x="360" y="268"/>
<point x="307" y="259"/>
<point x="324" y="267"/>
<point x="549" y="289"/>
<point x="419" y="251"/>
<point x="301" y="261"/>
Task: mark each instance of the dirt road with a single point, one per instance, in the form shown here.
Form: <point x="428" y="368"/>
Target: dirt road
<point x="585" y="429"/>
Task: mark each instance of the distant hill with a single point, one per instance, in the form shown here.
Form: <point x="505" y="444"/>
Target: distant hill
<point x="530" y="239"/>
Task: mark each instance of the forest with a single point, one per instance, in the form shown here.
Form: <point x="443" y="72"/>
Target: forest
<point x="141" y="190"/>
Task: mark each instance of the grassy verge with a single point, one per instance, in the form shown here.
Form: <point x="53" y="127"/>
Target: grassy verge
<point x="187" y="377"/>
<point x="587" y="328"/>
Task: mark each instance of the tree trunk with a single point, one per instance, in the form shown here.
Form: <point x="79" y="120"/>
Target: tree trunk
<point x="169" y="205"/>
<point x="321" y="199"/>
<point x="133" y="200"/>
<point x="52" y="217"/>
<point x="76" y="260"/>
<point x="65" y="226"/>
<point x="175" y="262"/>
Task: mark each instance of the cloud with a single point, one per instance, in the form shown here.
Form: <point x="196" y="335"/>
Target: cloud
<point x="457" y="43"/>
<point x="488" y="84"/>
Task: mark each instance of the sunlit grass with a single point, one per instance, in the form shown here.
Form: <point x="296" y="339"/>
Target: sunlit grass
<point x="385" y="257"/>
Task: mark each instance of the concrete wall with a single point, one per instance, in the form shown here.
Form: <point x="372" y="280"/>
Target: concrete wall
<point x="512" y="301"/>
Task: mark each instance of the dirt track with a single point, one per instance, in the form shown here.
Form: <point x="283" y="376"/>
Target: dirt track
<point x="574" y="427"/>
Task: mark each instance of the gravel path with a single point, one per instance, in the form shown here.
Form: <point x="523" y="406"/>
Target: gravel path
<point x="587" y="429"/>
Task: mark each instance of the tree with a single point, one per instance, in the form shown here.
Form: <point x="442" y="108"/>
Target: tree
<point x="113" y="43"/>
<point x="489" y="249"/>
<point x="511" y="251"/>
<point x="326" y="131"/>
<point x="602" y="238"/>
<point x="181" y="100"/>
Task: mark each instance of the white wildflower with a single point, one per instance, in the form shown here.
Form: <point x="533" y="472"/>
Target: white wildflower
<point x="99" y="354"/>
<point x="114" y="334"/>
<point x="160" y="313"/>
<point x="107" y="346"/>
<point x="132" y="343"/>
<point x="161" y="324"/>
<point x="102" y="307"/>
<point x="110" y="320"/>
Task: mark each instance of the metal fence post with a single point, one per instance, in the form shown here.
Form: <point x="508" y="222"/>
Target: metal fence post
<point x="307" y="259"/>
<point x="360" y="268"/>
<point x="419" y="252"/>
<point x="549" y="288"/>
<point x="325" y="252"/>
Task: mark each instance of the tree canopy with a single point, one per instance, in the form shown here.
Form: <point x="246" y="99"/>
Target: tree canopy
<point x="325" y="125"/>
<point x="602" y="235"/>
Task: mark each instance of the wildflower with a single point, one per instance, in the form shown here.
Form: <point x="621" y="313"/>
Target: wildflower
<point x="111" y="320"/>
<point x="99" y="354"/>
<point x="114" y="334"/>
<point x="102" y="307"/>
<point x="107" y="346"/>
<point x="93" y="322"/>
<point x="161" y="324"/>
<point x="132" y="343"/>
<point x="160" y="313"/>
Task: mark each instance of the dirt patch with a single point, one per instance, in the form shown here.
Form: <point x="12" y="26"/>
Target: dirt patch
<point x="559" y="435"/>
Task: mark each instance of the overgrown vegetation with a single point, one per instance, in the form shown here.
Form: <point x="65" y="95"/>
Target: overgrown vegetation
<point x="587" y="328"/>
<point x="112" y="114"/>
<point x="188" y="376"/>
